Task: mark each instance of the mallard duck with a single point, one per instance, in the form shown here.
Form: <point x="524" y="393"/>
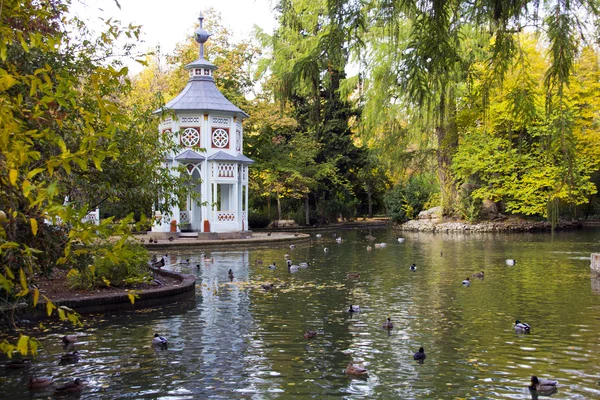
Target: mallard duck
<point x="318" y="236"/>
<point x="16" y="364"/>
<point x="325" y="249"/>
<point x="304" y="265"/>
<point x="258" y="262"/>
<point x="198" y="267"/>
<point x="292" y="268"/>
<point x="267" y="286"/>
<point x="388" y="324"/>
<point x="400" y="240"/>
<point x="353" y="275"/>
<point x="69" y="339"/>
<point x="420" y="355"/>
<point x="467" y="282"/>
<point x="522" y="327"/>
<point x="40" y="382"/>
<point x="478" y="274"/>
<point x="353" y="309"/>
<point x="160" y="340"/>
<point x="286" y="256"/>
<point x="292" y="246"/>
<point x="171" y="239"/>
<point x="352" y="369"/>
<point x="339" y="240"/>
<point x="541" y="384"/>
<point x="206" y="259"/>
<point x="159" y="264"/>
<point x="369" y="248"/>
<point x="413" y="267"/>
<point x="70" y="356"/>
<point x="184" y="262"/>
<point x="273" y="266"/>
<point x="153" y="259"/>
<point x="310" y="334"/>
<point x="230" y="275"/>
<point x="511" y="262"/>
<point x="74" y="386"/>
<point x="268" y="233"/>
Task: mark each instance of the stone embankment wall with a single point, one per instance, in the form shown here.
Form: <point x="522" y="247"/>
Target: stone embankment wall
<point x="430" y="221"/>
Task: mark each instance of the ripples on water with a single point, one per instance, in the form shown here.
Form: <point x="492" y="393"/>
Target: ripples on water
<point x="237" y="341"/>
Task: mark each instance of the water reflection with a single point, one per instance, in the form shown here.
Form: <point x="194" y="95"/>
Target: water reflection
<point x="238" y="340"/>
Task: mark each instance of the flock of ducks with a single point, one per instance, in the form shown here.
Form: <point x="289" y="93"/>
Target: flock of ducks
<point x="539" y="385"/>
<point x="44" y="382"/>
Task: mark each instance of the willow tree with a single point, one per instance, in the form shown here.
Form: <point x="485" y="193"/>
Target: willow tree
<point x="428" y="50"/>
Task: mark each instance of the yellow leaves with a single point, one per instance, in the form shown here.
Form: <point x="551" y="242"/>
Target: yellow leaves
<point x="23" y="345"/>
<point x="36" y="296"/>
<point x="72" y="273"/>
<point x="34" y="226"/>
<point x="23" y="280"/>
<point x="49" y="305"/>
<point x="12" y="177"/>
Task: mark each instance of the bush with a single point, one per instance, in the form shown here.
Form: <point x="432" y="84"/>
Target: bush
<point x="257" y="220"/>
<point x="404" y="202"/>
<point x="115" y="266"/>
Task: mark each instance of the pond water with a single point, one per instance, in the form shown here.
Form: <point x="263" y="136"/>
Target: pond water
<point x="236" y="340"/>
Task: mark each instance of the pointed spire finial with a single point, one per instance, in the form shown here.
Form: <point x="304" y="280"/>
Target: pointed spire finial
<point x="201" y="35"/>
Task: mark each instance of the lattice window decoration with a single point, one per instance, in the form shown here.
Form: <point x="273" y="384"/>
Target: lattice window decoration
<point x="220" y="121"/>
<point x="167" y="121"/>
<point x="184" y="216"/>
<point x="225" y="170"/>
<point x="190" y="120"/>
<point x="190" y="137"/>
<point x="206" y="71"/>
<point x="238" y="140"/>
<point x="220" y="138"/>
<point x="238" y="124"/>
<point x="225" y="216"/>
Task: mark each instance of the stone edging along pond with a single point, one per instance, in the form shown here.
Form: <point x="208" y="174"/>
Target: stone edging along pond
<point x="428" y="225"/>
<point x="105" y="302"/>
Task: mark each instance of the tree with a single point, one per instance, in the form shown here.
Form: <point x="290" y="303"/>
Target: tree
<point x="60" y="121"/>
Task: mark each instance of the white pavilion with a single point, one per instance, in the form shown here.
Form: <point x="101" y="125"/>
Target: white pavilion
<point x="211" y="136"/>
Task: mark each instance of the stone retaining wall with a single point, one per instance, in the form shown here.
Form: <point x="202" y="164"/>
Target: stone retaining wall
<point x="99" y="303"/>
<point x="465" y="227"/>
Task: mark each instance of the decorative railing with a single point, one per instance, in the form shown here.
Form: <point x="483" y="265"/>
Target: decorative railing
<point x="225" y="216"/>
<point x="226" y="170"/>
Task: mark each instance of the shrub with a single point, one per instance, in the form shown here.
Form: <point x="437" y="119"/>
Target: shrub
<point x="114" y="266"/>
<point x="405" y="201"/>
<point x="257" y="220"/>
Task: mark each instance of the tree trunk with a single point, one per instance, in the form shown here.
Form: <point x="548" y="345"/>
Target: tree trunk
<point x="369" y="202"/>
<point x="306" y="209"/>
<point x="447" y="144"/>
<point x="278" y="206"/>
<point x="269" y="205"/>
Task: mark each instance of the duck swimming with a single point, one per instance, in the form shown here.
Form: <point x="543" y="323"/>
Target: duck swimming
<point x="388" y="324"/>
<point x="522" y="327"/>
<point x="467" y="282"/>
<point x="69" y="339"/>
<point x="541" y="384"/>
<point x="420" y="355"/>
<point x="72" y="356"/>
<point x="400" y="240"/>
<point x="230" y="275"/>
<point x="272" y="266"/>
<point x="413" y="267"/>
<point x="16" y="364"/>
<point x="160" y="340"/>
<point x="40" y="382"/>
<point x="478" y="274"/>
<point x="358" y="370"/>
<point x="74" y="386"/>
<point x="304" y="265"/>
<point x="511" y="262"/>
<point x="310" y="334"/>
<point x="292" y="268"/>
<point x="353" y="275"/>
<point x="353" y="309"/>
